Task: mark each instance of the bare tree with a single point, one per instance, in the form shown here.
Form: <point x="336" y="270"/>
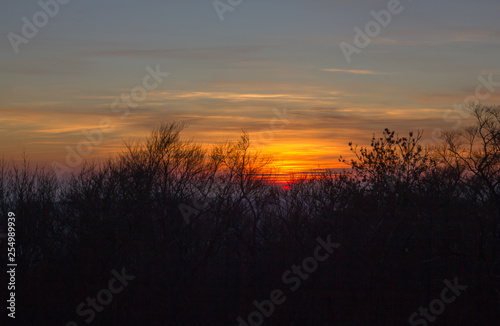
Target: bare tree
<point x="474" y="152"/>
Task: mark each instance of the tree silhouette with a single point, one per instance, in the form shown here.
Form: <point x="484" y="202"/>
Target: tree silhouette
<point x="206" y="234"/>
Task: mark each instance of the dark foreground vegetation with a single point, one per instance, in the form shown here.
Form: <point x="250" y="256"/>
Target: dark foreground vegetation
<point x="205" y="235"/>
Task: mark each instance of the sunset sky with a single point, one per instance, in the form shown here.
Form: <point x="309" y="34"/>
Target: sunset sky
<point x="264" y="58"/>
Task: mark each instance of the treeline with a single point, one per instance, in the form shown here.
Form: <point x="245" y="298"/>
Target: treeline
<point x="205" y="234"/>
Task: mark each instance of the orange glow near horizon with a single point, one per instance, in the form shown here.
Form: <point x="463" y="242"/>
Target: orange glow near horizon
<point x="301" y="157"/>
<point x="290" y="161"/>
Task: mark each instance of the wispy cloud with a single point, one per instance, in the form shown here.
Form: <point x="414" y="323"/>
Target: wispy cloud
<point x="359" y="72"/>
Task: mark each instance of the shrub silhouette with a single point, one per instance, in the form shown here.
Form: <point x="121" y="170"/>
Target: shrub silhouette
<point x="206" y="234"/>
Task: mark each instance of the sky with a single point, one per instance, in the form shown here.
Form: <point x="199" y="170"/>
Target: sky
<point x="296" y="75"/>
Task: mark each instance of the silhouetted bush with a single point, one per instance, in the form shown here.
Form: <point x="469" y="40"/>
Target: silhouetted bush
<point x="206" y="234"/>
